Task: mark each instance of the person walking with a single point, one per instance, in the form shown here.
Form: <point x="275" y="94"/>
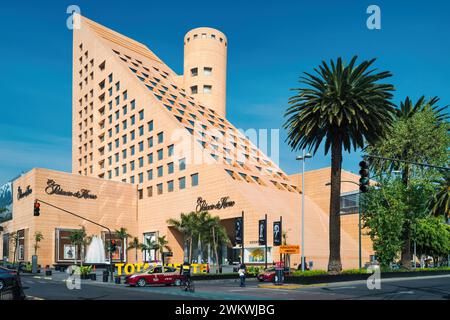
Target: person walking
<point x="242" y="273"/>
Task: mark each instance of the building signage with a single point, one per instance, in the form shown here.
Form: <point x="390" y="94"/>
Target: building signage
<point x="290" y="249"/>
<point x="22" y="194"/>
<point x="277" y="233"/>
<point x="223" y="203"/>
<point x="262" y="232"/>
<point x="239" y="229"/>
<point x="54" y="188"/>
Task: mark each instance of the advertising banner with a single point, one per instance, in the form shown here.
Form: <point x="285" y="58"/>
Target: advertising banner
<point x="6" y="202"/>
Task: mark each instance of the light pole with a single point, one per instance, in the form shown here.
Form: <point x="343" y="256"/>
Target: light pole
<point x="303" y="159"/>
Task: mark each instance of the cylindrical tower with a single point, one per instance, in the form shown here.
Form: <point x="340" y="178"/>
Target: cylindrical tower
<point x="205" y="67"/>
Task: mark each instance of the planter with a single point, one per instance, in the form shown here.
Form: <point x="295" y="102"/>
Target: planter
<point x="326" y="278"/>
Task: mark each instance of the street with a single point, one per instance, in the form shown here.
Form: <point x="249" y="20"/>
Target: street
<point x="420" y="288"/>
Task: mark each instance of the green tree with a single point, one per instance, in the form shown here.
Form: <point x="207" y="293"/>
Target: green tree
<point x="159" y="244"/>
<point x="78" y="239"/>
<point x="38" y="237"/>
<point x="14" y="242"/>
<point x="187" y="226"/>
<point x="215" y="235"/>
<point x="136" y="245"/>
<point x="123" y="235"/>
<point x="432" y="237"/>
<point x="342" y="106"/>
<point x="386" y="207"/>
<point x="418" y="134"/>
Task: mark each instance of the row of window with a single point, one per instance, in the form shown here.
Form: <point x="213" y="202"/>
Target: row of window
<point x="207" y="89"/>
<point x="205" y="36"/>
<point x="207" y="71"/>
<point x="170" y="186"/>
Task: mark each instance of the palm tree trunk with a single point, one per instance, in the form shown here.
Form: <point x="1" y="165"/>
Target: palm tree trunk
<point x="215" y="249"/>
<point x="136" y="254"/>
<point x="405" y="259"/>
<point x="199" y="249"/>
<point x="334" y="263"/>
<point x="190" y="249"/>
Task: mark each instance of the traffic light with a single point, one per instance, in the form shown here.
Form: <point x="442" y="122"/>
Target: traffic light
<point x="364" y="179"/>
<point x="113" y="246"/>
<point x="37" y="209"/>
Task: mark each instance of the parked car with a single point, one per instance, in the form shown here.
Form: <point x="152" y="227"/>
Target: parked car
<point x="268" y="275"/>
<point x="154" y="275"/>
<point x="10" y="281"/>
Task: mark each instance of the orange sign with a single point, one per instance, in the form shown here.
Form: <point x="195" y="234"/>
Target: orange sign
<point x="290" y="249"/>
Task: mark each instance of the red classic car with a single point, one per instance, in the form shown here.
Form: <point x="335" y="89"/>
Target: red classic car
<point x="155" y="275"/>
<point x="268" y="275"/>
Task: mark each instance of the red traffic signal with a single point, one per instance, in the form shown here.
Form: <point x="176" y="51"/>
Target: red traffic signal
<point x="37" y="209"/>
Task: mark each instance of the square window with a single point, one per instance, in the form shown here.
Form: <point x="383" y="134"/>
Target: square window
<point x="194" y="90"/>
<point x="207" y="89"/>
<point x="150" y="191"/>
<point x="159" y="188"/>
<point x="182" y="183"/>
<point x="207" y="71"/>
<point x="182" y="164"/>
<point x="161" y="137"/>
<point x="170" y="168"/>
<point x="170" y="150"/>
<point x="194" y="72"/>
<point x="194" y="179"/>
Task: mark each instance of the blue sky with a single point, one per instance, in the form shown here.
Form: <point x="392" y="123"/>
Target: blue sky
<point x="270" y="44"/>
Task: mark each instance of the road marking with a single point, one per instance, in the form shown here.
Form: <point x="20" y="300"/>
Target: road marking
<point x="33" y="298"/>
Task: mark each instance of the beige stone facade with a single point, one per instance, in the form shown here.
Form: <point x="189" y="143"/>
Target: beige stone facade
<point x="149" y="147"/>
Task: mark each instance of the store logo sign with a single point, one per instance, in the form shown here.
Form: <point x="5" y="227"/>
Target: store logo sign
<point x="22" y="194"/>
<point x="223" y="203"/>
<point x="54" y="188"/>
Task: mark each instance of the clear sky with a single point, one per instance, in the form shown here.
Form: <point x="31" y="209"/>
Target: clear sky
<point x="270" y="44"/>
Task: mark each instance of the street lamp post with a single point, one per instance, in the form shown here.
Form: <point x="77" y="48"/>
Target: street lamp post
<point x="303" y="159"/>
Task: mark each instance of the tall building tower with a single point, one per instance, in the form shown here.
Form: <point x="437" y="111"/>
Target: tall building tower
<point x="205" y="67"/>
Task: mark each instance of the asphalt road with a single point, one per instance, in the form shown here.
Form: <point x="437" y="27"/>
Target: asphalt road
<point x="420" y="288"/>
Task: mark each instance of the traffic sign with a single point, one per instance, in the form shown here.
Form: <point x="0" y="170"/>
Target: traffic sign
<point x="294" y="249"/>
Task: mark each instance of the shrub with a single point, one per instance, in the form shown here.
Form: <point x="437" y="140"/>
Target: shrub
<point x="308" y="273"/>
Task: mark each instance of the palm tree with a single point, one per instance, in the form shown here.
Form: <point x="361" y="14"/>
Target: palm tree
<point x="343" y="106"/>
<point x="136" y="245"/>
<point x="122" y="235"/>
<point x="159" y="244"/>
<point x="216" y="234"/>
<point x="78" y="239"/>
<point x="38" y="237"/>
<point x="440" y="203"/>
<point x="186" y="226"/>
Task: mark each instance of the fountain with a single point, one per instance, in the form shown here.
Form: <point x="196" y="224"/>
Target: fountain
<point x="96" y="252"/>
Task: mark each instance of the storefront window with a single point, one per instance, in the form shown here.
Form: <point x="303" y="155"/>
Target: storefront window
<point x="149" y="255"/>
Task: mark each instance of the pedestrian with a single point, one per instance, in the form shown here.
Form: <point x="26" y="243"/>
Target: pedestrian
<point x="242" y="272"/>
